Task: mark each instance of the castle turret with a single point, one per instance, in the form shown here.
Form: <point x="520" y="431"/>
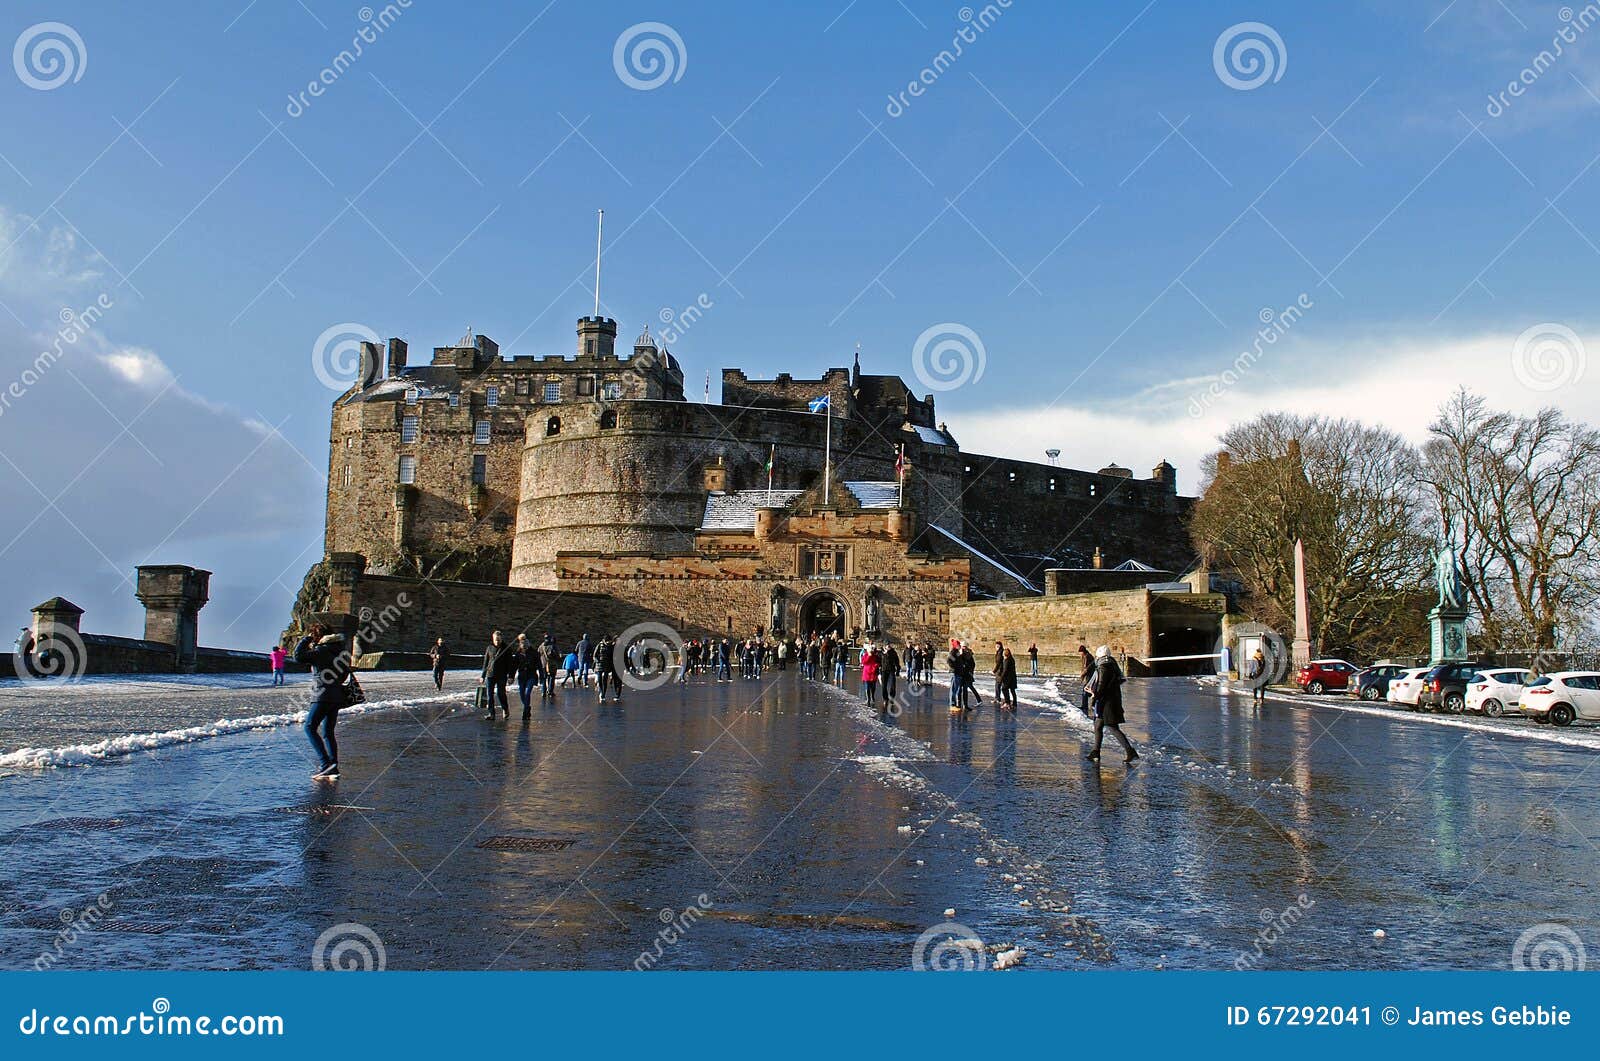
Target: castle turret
<point x="597" y="337"/>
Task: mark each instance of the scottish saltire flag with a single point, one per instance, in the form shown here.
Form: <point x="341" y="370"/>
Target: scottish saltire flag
<point x="816" y="405"/>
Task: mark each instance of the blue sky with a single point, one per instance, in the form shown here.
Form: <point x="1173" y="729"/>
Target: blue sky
<point x="1082" y="189"/>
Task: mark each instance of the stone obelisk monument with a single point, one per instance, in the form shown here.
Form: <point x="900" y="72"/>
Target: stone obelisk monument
<point x="1302" y="610"/>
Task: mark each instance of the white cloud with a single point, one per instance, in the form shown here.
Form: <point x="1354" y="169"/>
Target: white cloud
<point x="138" y="366"/>
<point x="1396" y="382"/>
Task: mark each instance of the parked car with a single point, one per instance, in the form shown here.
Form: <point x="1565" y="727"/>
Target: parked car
<point x="1562" y="698"/>
<point x="1372" y="683"/>
<point x="1492" y="691"/>
<point x="1405" y="689"/>
<point x="1444" y="688"/>
<point x="1320" y="675"/>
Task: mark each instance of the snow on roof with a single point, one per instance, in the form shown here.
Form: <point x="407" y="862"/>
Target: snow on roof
<point x="737" y="510"/>
<point x="1134" y="565"/>
<point x="875" y="494"/>
<point x="932" y="435"/>
<point x="983" y="556"/>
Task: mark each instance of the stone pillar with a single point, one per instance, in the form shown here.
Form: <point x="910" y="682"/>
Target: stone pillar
<point x="902" y="524"/>
<point x="1302" y="609"/>
<point x="405" y="507"/>
<point x="767" y="521"/>
<point x="344" y="577"/>
<point x="172" y="595"/>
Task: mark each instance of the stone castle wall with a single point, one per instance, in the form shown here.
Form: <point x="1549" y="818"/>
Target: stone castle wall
<point x="641" y="486"/>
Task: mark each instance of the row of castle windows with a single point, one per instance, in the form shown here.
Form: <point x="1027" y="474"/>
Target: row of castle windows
<point x="410" y="427"/>
<point x="1053" y="484"/>
<point x="610" y="390"/>
<point x="408" y="470"/>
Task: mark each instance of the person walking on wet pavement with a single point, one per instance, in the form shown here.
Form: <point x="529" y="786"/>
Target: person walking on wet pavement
<point x="328" y="656"/>
<point x="999" y="667"/>
<point x="278" y="658"/>
<point x="869" y="673"/>
<point x="969" y="675"/>
<point x="499" y="663"/>
<point x="1008" y="681"/>
<point x="550" y="660"/>
<point x="605" y="669"/>
<point x="889" y="672"/>
<point x="1105" y="690"/>
<point x="1086" y="668"/>
<point x="1255" y="673"/>
<point x="438" y="654"/>
<point x="529" y="669"/>
<point x="1033" y="661"/>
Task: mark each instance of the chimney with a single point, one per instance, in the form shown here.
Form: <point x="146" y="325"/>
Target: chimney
<point x="716" y="477"/>
<point x="1099" y="561"/>
<point x="397" y="357"/>
<point x="1224" y="459"/>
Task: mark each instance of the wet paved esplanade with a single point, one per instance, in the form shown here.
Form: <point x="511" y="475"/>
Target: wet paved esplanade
<point x="778" y="824"/>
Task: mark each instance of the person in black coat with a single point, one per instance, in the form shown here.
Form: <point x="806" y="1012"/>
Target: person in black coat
<point x="1105" y="690"/>
<point x="328" y="656"/>
<point x="1008" y="680"/>
<point x="529" y="669"/>
<point x="889" y="673"/>
<point x="1086" y="668"/>
<point x="499" y="664"/>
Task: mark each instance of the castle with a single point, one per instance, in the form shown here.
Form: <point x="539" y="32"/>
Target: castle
<point x="591" y="476"/>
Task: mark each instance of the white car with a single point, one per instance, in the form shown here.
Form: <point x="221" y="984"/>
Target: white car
<point x="1406" y="688"/>
<point x="1562" y="698"/>
<point x="1490" y="691"/>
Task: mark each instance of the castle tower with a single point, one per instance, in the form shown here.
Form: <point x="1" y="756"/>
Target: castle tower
<point x="597" y="337"/>
<point x="172" y="595"/>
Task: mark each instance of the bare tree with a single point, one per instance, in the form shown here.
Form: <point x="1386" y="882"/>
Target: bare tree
<point x="1349" y="491"/>
<point x="1520" y="499"/>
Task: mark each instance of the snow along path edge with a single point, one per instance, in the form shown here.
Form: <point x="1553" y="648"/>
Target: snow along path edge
<point x="117" y="747"/>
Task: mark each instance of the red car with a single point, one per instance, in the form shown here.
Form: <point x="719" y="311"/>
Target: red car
<point x="1321" y="675"/>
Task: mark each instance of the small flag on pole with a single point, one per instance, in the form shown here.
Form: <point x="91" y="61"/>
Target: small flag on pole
<point x="708" y="386"/>
<point x="816" y="405"/>
<point x="900" y="462"/>
<point x="772" y="459"/>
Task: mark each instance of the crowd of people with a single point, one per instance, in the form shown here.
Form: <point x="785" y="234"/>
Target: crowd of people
<point x="521" y="663"/>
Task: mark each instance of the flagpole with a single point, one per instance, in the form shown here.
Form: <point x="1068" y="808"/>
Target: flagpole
<point x="772" y="458"/>
<point x="599" y="231"/>
<point x="900" y="475"/>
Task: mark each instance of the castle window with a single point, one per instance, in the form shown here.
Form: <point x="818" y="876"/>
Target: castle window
<point x="522" y="386"/>
<point x="823" y="563"/>
<point x="408" y="429"/>
<point x="492" y="397"/>
<point x="1094" y="489"/>
<point x="1011" y="477"/>
<point x="608" y="419"/>
<point x="1052" y="482"/>
<point x="552" y="426"/>
<point x="349" y="474"/>
<point x="588" y="346"/>
<point x="480" y="468"/>
<point x="611" y="390"/>
<point x="967" y="469"/>
<point x="455" y="401"/>
<point x="585" y="386"/>
<point x="480" y="433"/>
<point x="552" y="392"/>
<point x="408" y="470"/>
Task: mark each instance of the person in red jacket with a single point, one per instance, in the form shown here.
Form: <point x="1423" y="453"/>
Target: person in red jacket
<point x="869" y="673"/>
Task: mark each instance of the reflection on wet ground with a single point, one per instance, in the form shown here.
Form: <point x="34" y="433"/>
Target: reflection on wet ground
<point x="782" y="825"/>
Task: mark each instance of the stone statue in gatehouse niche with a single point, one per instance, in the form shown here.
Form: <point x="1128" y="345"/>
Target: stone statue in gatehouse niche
<point x="872" y="609"/>
<point x="775" y="621"/>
